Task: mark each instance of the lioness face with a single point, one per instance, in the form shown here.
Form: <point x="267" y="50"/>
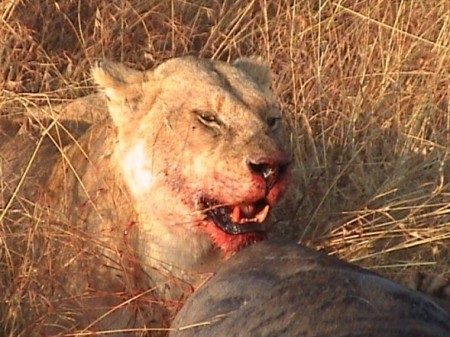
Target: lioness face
<point x="201" y="146"/>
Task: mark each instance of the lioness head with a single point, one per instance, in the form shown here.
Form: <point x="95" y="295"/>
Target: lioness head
<point x="201" y="147"/>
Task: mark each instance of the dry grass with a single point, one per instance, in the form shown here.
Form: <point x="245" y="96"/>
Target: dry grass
<point x="364" y="85"/>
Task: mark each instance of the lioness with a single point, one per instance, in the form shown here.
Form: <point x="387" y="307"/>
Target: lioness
<point x="147" y="202"/>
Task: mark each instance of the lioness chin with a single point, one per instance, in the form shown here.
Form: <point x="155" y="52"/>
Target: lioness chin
<point x="147" y="202"/>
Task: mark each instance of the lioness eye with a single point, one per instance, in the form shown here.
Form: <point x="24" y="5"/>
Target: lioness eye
<point x="207" y="118"/>
<point x="273" y="122"/>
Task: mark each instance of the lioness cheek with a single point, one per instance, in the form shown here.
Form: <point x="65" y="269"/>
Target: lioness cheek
<point x="137" y="170"/>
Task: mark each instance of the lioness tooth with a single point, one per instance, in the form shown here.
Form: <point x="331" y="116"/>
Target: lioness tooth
<point x="262" y="215"/>
<point x="236" y="214"/>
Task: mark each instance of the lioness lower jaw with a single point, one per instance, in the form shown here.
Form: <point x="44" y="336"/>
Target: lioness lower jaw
<point x="238" y="219"/>
<point x="230" y="230"/>
<point x="229" y="244"/>
<point x="233" y="227"/>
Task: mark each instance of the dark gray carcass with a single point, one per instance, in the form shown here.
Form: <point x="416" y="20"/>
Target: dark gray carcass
<point x="286" y="290"/>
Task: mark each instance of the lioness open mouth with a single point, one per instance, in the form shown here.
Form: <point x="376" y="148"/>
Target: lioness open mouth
<point x="238" y="219"/>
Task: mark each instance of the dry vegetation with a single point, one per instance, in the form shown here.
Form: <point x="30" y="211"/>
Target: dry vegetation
<point x="364" y="85"/>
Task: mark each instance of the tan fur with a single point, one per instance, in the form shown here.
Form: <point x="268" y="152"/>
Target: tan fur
<point x="118" y="199"/>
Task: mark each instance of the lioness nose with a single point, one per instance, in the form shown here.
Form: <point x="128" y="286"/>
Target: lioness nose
<point x="271" y="170"/>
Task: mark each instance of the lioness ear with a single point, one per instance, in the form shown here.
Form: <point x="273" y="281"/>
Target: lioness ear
<point x="257" y="68"/>
<point x="115" y="78"/>
<point x="122" y="86"/>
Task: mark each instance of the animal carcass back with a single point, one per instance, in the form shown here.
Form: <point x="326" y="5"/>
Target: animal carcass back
<point x="282" y="289"/>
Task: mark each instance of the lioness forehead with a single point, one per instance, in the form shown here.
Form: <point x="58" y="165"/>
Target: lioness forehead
<point x="202" y="79"/>
<point x="205" y="70"/>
